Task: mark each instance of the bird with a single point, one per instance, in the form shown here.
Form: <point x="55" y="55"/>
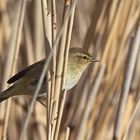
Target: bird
<point x="25" y="81"/>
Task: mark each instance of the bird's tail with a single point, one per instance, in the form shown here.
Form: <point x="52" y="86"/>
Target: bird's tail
<point x="6" y="94"/>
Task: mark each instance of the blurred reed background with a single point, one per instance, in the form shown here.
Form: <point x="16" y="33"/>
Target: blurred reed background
<point x="105" y="104"/>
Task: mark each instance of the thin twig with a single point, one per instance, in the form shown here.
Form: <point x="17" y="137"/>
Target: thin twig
<point x="61" y="108"/>
<point x="90" y="103"/>
<point x="43" y="74"/>
<point x="136" y="44"/>
<point x="127" y="82"/>
<point x="13" y="47"/>
<point x="67" y="133"/>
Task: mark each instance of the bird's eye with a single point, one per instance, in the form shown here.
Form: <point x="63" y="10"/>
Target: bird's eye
<point x="85" y="57"/>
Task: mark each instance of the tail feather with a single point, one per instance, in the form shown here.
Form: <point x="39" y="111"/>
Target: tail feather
<point x="6" y="94"/>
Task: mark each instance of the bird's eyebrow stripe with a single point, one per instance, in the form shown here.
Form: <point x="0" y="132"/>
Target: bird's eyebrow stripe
<point x="79" y="55"/>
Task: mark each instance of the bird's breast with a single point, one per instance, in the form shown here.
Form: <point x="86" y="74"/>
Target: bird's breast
<point x="72" y="77"/>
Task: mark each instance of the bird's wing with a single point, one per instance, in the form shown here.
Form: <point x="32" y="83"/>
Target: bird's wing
<point x="24" y="71"/>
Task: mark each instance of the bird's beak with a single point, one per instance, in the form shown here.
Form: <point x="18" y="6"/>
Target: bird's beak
<point x="95" y="60"/>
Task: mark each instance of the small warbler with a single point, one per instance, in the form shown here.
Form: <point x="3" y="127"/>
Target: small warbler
<point x="25" y="81"/>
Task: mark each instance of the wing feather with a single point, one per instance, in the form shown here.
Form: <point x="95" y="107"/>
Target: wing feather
<point x="25" y="71"/>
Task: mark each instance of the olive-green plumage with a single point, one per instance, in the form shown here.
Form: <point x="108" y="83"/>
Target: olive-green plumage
<point x="25" y="82"/>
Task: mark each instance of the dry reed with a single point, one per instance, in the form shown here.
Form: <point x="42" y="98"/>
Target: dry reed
<point x="105" y="102"/>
